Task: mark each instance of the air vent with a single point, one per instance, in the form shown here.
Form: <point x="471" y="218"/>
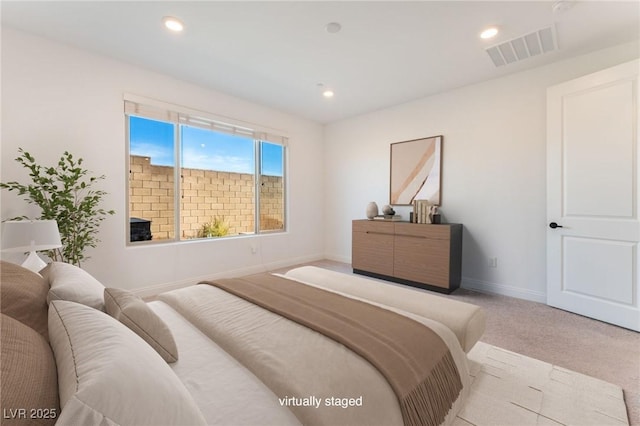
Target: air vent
<point x="517" y="49"/>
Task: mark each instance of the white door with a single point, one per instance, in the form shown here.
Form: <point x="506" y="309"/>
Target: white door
<point x="592" y="196"/>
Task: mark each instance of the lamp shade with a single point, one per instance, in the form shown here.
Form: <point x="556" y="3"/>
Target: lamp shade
<point x="30" y="235"/>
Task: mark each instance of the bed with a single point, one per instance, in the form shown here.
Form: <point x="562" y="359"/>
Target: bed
<point x="75" y="352"/>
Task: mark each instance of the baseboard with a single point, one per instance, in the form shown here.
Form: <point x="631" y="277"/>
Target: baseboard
<point x="253" y="269"/>
<point x="341" y="259"/>
<point x="503" y="290"/>
<point x="290" y="262"/>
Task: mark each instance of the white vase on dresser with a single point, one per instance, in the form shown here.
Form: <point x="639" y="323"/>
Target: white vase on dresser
<point x="372" y="210"/>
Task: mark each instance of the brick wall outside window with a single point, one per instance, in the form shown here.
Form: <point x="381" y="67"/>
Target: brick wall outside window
<point x="205" y="195"/>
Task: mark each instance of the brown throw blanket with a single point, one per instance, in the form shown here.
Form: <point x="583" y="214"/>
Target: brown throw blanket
<point x="413" y="358"/>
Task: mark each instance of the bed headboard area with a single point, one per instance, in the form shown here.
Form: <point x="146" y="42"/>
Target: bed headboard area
<point x="28" y="366"/>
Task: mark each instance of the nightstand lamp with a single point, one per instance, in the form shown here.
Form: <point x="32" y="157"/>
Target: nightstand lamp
<point x="22" y="236"/>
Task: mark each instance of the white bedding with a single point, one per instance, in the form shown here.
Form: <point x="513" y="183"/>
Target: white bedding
<point x="225" y="391"/>
<point x="289" y="358"/>
<point x="228" y="393"/>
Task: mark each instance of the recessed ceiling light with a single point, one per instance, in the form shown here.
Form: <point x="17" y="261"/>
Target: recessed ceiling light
<point x="333" y="27"/>
<point x="490" y="32"/>
<point x="327" y="93"/>
<point x="174" y="24"/>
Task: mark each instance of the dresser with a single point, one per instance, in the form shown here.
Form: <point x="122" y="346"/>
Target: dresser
<point x="421" y="255"/>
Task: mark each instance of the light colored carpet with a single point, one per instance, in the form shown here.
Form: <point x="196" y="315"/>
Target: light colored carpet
<point x="512" y="389"/>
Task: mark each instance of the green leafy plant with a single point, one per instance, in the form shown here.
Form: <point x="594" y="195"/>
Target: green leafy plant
<point x="65" y="194"/>
<point x="218" y="227"/>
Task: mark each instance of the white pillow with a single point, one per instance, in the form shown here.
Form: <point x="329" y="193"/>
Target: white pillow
<point x="109" y="375"/>
<point x="68" y="282"/>
<point x="133" y="312"/>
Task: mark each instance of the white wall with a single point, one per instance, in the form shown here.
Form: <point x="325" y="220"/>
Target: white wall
<point x="57" y="98"/>
<point x="494" y="173"/>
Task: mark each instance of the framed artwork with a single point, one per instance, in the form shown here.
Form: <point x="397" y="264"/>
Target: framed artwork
<point x="416" y="170"/>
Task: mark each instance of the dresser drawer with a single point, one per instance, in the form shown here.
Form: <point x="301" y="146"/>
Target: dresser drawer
<point x="373" y="226"/>
<point x="373" y="252"/>
<point x="413" y="230"/>
<point x="423" y="260"/>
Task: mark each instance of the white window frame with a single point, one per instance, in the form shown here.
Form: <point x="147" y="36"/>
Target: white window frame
<point x="147" y="108"/>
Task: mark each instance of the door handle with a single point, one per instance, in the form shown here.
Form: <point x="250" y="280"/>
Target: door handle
<point x="554" y="225"/>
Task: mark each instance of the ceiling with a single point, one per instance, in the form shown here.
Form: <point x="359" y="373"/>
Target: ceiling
<point x="276" y="53"/>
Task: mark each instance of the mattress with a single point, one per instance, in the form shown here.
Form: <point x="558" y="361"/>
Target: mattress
<point x="223" y="389"/>
<point x="227" y="375"/>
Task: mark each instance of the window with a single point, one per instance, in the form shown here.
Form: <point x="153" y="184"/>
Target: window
<point x="193" y="177"/>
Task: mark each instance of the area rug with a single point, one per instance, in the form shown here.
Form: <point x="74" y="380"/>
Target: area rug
<point x="512" y="389"/>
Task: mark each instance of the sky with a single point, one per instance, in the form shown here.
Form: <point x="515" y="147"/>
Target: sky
<point x="201" y="149"/>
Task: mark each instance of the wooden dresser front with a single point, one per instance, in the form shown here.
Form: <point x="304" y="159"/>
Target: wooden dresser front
<point x="421" y="255"/>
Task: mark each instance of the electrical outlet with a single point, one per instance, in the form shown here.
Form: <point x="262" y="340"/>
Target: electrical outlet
<point x="492" y="262"/>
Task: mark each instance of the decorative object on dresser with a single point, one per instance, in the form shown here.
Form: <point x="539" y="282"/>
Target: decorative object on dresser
<point x="420" y="255"/>
<point x="416" y="171"/>
<point x="390" y="218"/>
<point x="424" y="212"/>
<point x="387" y="210"/>
<point x="372" y="210"/>
<point x="30" y="236"/>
